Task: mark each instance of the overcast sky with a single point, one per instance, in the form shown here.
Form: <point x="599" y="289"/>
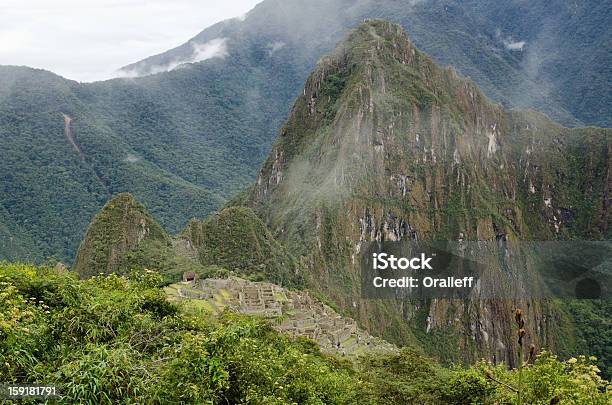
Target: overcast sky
<point x="88" y="40"/>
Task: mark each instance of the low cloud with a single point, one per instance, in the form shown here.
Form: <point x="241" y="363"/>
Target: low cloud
<point x="514" y="45"/>
<point x="275" y="46"/>
<point x="215" y="48"/>
<point x="509" y="42"/>
<point x="131" y="158"/>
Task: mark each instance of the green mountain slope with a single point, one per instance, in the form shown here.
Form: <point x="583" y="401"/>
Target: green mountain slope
<point x="566" y="50"/>
<point x="63" y="158"/>
<point x="384" y="145"/>
<point x="184" y="141"/>
<point x="236" y="239"/>
<point x="14" y="243"/>
<point x="123" y="237"/>
<point x="118" y="232"/>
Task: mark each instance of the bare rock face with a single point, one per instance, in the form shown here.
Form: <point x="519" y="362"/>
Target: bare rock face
<point x="120" y="228"/>
<point x="385" y="145"/>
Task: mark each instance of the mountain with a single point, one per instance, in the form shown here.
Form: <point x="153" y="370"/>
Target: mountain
<point x="382" y="145"/>
<point x="548" y="56"/>
<point x="68" y="147"/>
<point x="117" y="232"/>
<point x="123" y="237"/>
<point x="183" y="141"/>
<point x="235" y="238"/>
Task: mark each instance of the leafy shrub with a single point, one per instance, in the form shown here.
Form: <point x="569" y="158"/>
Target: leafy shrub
<point x="404" y="378"/>
<point x="548" y="379"/>
<point x="114" y="339"/>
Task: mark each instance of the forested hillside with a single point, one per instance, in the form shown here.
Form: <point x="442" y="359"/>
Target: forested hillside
<point x="184" y="141"/>
<point x="68" y="147"/>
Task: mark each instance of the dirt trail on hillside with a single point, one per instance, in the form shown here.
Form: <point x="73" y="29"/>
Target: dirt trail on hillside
<point x="77" y="148"/>
<point x="68" y="134"/>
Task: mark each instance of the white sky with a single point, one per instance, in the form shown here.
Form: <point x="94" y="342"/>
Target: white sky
<point x="88" y="40"/>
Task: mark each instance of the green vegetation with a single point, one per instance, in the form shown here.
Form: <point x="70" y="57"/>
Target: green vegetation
<point x="123" y="237"/>
<point x="151" y="137"/>
<point x="116" y="339"/>
<point x="122" y="230"/>
<point x="406" y="378"/>
<point x="546" y="381"/>
<point x="594" y="328"/>
<point x="110" y="339"/>
<point x="236" y="239"/>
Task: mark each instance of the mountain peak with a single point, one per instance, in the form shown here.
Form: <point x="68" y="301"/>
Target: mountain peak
<point x="378" y="30"/>
<point x="384" y="145"/>
<point x="121" y="226"/>
<point x="373" y="81"/>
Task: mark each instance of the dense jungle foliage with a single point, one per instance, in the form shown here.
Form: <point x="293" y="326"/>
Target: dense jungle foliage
<point x="114" y="339"/>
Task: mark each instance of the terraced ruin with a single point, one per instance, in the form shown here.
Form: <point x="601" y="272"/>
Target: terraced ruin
<point x="296" y="313"/>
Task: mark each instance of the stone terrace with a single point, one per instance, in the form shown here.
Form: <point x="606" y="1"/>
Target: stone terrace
<point x="293" y="312"/>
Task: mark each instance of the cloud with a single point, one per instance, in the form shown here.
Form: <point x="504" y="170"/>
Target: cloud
<point x="215" y="48"/>
<point x="131" y="158"/>
<point x="514" y="46"/>
<point x="509" y="42"/>
<point x="275" y="46"/>
<point x="89" y="40"/>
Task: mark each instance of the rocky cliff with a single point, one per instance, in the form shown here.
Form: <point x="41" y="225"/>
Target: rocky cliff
<point x="384" y="145"/>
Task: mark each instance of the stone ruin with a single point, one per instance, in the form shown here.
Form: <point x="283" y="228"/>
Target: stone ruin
<point x="292" y="312"/>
